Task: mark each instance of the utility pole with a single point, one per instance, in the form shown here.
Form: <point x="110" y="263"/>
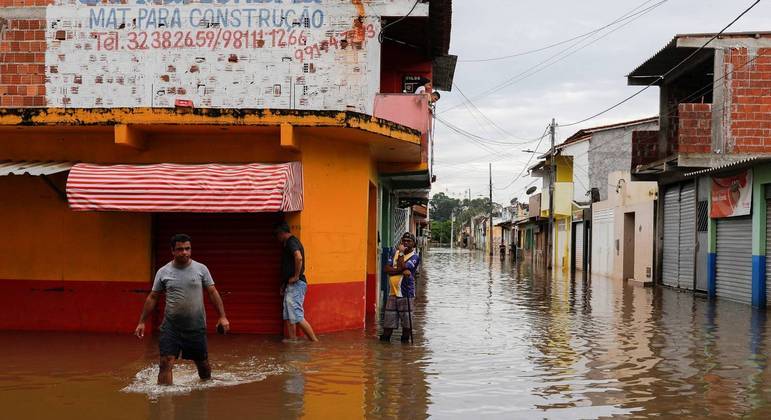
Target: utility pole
<point x="452" y="228"/>
<point x="552" y="182"/>
<point x="491" y="210"/>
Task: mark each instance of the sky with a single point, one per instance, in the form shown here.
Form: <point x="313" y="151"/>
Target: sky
<point x="568" y="82"/>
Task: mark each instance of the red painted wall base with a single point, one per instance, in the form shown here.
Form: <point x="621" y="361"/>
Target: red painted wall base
<point x="97" y="306"/>
<point x="71" y="305"/>
<point x="335" y="306"/>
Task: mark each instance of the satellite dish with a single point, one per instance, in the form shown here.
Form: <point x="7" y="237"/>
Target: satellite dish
<point x="531" y="190"/>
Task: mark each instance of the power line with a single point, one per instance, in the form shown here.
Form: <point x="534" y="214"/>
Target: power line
<point x="554" y="59"/>
<point x="524" y="169"/>
<point x="663" y="76"/>
<point x="623" y="17"/>
<point x="382" y="30"/>
<point x="503" y="131"/>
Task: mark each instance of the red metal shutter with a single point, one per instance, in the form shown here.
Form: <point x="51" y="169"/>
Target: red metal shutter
<point x="243" y="257"/>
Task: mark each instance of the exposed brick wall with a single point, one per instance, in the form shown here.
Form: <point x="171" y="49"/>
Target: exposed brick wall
<point x="694" y="128"/>
<point x="645" y="147"/>
<point x="22" y="57"/>
<point x="750" y="100"/>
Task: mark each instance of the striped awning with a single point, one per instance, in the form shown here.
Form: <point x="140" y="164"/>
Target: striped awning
<point x="209" y="188"/>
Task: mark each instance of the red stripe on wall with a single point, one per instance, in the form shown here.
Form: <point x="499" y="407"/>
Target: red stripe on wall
<point x="97" y="306"/>
<point x="335" y="306"/>
<point x="100" y="306"/>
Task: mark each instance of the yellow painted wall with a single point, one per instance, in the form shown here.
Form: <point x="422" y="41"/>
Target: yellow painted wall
<point x="43" y="240"/>
<point x="564" y="169"/>
<point x="333" y="223"/>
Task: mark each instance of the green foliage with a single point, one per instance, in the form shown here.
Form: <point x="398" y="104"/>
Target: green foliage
<point x="440" y="231"/>
<point x="442" y="206"/>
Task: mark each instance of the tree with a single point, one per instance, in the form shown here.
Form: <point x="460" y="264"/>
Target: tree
<point x="442" y="206"/>
<point x="440" y="231"/>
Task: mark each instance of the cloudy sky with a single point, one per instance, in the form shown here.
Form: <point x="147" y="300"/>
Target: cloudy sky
<point x="568" y="82"/>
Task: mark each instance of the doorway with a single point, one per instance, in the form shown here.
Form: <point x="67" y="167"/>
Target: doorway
<point x="243" y="257"/>
<point x="629" y="234"/>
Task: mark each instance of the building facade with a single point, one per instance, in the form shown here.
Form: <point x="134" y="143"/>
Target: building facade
<point x="709" y="161"/>
<point x="106" y="108"/>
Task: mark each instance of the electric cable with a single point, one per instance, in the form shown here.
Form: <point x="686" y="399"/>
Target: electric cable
<point x="668" y="72"/>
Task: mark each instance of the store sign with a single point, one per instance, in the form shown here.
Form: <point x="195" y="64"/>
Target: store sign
<point x="731" y="196"/>
<point x="299" y="54"/>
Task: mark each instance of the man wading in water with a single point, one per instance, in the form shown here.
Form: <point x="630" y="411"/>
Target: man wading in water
<point x="401" y="297"/>
<point x="183" y="332"/>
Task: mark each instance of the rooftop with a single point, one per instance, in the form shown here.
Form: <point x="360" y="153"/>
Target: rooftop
<point x="683" y="45"/>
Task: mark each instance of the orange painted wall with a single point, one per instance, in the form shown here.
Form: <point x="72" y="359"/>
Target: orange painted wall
<point x="333" y="223"/>
<point x="43" y="240"/>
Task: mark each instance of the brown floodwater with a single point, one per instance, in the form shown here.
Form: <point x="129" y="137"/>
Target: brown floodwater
<point x="493" y="340"/>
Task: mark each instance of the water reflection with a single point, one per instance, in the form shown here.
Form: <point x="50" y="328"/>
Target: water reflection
<point x="493" y="339"/>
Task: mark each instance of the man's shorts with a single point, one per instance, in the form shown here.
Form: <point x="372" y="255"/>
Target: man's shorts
<point x="294" y="297"/>
<point x="190" y="345"/>
<point x="398" y="309"/>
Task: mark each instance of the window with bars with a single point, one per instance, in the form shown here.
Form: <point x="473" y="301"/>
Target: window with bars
<point x="702" y="216"/>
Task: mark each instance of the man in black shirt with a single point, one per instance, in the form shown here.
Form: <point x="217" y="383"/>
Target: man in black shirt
<point x="293" y="282"/>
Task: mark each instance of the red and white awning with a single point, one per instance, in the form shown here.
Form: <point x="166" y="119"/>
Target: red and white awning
<point x="166" y="187"/>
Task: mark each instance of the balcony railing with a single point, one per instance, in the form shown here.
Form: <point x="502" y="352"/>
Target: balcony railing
<point x="409" y="110"/>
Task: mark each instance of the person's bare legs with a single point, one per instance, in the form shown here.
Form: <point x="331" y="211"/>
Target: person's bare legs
<point x="165" y="367"/>
<point x="308" y="330"/>
<point x="204" y="369"/>
<point x="291" y="330"/>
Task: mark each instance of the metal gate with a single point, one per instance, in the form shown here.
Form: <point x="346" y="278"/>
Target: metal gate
<point x="243" y="257"/>
<point x="687" y="256"/>
<point x="401" y="224"/>
<point x="679" y="236"/>
<point x="768" y="248"/>
<point x="578" y="252"/>
<point x="671" y="236"/>
<point x="734" y="259"/>
<point x="602" y="241"/>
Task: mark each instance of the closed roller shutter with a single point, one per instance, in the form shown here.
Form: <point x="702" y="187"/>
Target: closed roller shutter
<point x="244" y="259"/>
<point x="768" y="248"/>
<point x="671" y="250"/>
<point x="734" y="259"/>
<point x="579" y="253"/>
<point x="687" y="235"/>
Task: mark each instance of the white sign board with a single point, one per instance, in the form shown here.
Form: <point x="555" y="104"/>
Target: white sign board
<point x="281" y="54"/>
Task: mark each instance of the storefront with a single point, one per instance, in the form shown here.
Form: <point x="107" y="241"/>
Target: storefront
<point x="82" y="241"/>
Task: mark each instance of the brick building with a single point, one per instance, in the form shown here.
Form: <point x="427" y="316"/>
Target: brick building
<point x="710" y="160"/>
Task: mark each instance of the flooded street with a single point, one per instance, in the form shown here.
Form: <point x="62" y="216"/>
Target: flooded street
<point x="492" y="341"/>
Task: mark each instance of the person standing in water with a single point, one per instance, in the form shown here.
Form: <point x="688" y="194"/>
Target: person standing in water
<point x="183" y="332"/>
<point x="294" y="285"/>
<point x="401" y="269"/>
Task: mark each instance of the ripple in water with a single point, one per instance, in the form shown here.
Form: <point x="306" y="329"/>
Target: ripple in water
<point x="186" y="377"/>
